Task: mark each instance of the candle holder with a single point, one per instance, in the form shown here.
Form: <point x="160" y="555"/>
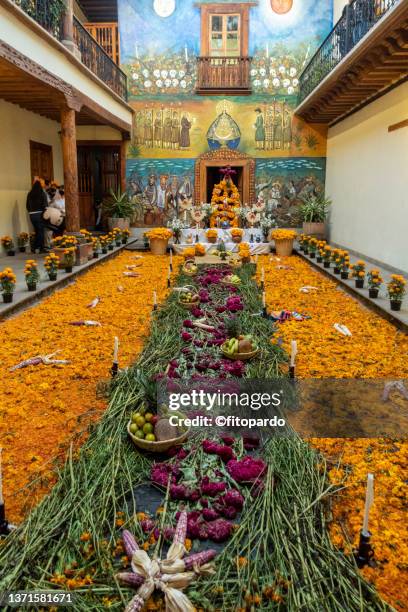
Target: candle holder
<point x="364" y="553"/>
<point x="197" y="238"/>
<point x="264" y="312"/>
<point x="262" y="285"/>
<point x="168" y="283"/>
<point x="154" y="306"/>
<point x="292" y="372"/>
<point x="114" y="369"/>
<point x="171" y="267"/>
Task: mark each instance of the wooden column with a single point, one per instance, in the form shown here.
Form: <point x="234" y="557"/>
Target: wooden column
<point x="123" y="150"/>
<point x="69" y="157"/>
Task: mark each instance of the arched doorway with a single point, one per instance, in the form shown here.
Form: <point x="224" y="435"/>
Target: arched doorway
<point x="207" y="174"/>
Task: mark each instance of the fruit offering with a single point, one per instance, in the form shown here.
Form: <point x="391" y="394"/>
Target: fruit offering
<point x="143" y="425"/>
<point x="188" y="297"/>
<point x="232" y="279"/>
<point x="190" y="268"/>
<point x="241" y="345"/>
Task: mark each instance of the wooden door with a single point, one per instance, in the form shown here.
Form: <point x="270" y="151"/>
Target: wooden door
<point x="86" y="187"/>
<point x="41" y="161"/>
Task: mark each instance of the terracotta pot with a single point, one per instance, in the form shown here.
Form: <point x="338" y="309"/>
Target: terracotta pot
<point x="314" y="229"/>
<point x="7" y="298"/>
<point x="395" y="305"/>
<point x="149" y="218"/>
<point x="237" y="239"/>
<point x="158" y="246"/>
<point x="118" y="222"/>
<point x="212" y="240"/>
<point x="373" y="293"/>
<point x="284" y="248"/>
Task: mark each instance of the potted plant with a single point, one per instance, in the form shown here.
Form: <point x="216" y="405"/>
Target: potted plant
<point x="313" y="212"/>
<point x="104" y="244"/>
<point x="119" y="209"/>
<point x="69" y="259"/>
<point x="236" y="234"/>
<point x="266" y="224"/>
<point x="31" y="274"/>
<point x="110" y="238"/>
<point x="125" y="235"/>
<point x="244" y="252"/>
<point x="8" y="245"/>
<point x="61" y="243"/>
<point x="320" y="250"/>
<point x="336" y="259"/>
<point x="284" y="241"/>
<point x="301" y="241"/>
<point x="86" y="238"/>
<point x="396" y="291"/>
<point x="375" y="281"/>
<point x="358" y="273"/>
<point x="313" y="242"/>
<point x="158" y="239"/>
<point x="344" y="265"/>
<point x="306" y="241"/>
<point x="8" y="283"/>
<point x="326" y="255"/>
<point x="96" y="247"/>
<point x="22" y="241"/>
<point x="117" y="236"/>
<point x="51" y="264"/>
<point x="176" y="226"/>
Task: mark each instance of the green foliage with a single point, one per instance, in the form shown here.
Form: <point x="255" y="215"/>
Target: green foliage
<point x="315" y="208"/>
<point x="118" y="205"/>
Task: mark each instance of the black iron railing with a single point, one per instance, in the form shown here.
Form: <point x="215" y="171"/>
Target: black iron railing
<point x="48" y="13"/>
<point x="357" y="19"/>
<point x="97" y="60"/>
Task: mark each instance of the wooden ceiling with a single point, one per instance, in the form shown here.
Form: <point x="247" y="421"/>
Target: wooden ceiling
<point x="372" y="68"/>
<point x="100" y="10"/>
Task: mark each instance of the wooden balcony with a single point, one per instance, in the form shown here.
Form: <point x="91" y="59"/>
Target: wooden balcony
<point x="223" y="75"/>
<point x="363" y="57"/>
<point x="107" y="36"/>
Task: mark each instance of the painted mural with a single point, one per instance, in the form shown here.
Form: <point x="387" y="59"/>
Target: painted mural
<point x="160" y="41"/>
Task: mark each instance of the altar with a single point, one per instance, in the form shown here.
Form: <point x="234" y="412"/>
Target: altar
<point x="253" y="236"/>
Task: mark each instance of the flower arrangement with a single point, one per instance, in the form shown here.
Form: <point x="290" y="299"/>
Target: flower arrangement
<point x="266" y="224"/>
<point x="336" y="259"/>
<point x="104" y="244"/>
<point x="211" y="235"/>
<point x="110" y="239"/>
<point x="8" y="282"/>
<point x="236" y="234"/>
<point x="375" y="281"/>
<point x="358" y="273"/>
<point x="51" y="264"/>
<point x="253" y="217"/>
<point x="313" y="243"/>
<point x="305" y="243"/>
<point x="86" y="235"/>
<point x="225" y="200"/>
<point x="96" y="246"/>
<point x="159" y="233"/>
<point x="117" y="236"/>
<point x="69" y="258"/>
<point x="189" y="252"/>
<point x="244" y="252"/>
<point x="396" y="291"/>
<point x="344" y="264"/>
<point x="65" y="242"/>
<point x="199" y="250"/>
<point x="31" y="274"/>
<point x="326" y="255"/>
<point x="8" y="244"/>
<point x="284" y="234"/>
<point x="176" y="226"/>
<point x="319" y="253"/>
<point x="125" y="235"/>
<point x="22" y="241"/>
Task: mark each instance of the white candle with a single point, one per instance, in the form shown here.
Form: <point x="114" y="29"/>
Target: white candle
<point x="263" y="274"/>
<point x="154" y="298"/>
<point x="368" y="502"/>
<point x="186" y="52"/>
<point x="115" y="349"/>
<point x="263" y="299"/>
<point x="1" y="481"/>
<point x="293" y="353"/>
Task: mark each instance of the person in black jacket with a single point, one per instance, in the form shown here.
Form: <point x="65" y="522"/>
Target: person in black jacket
<point x="37" y="202"/>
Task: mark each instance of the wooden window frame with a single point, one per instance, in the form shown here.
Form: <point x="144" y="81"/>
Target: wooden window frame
<point x="224" y="34"/>
<point x="241" y="9"/>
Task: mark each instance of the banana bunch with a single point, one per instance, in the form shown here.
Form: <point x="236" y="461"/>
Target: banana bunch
<point x="230" y="346"/>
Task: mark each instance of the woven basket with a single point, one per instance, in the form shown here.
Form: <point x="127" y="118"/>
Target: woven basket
<point x="187" y="271"/>
<point x="196" y="297"/>
<point x="241" y="356"/>
<point x="158" y="447"/>
<point x="284" y="247"/>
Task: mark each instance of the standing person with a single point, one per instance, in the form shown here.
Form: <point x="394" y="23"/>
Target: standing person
<point x="185" y="132"/>
<point x="36" y="204"/>
<point x="259" y="130"/>
<point x="59" y="203"/>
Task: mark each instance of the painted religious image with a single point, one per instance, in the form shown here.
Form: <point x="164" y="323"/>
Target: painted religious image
<point x="161" y="189"/>
<point x="281" y="184"/>
<point x="163" y="128"/>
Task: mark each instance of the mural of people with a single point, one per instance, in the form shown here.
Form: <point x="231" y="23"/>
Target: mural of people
<point x="259" y="130"/>
<point x="150" y="191"/>
<point x="185" y="132"/>
<point x="158" y="129"/>
<point x="175" y="131"/>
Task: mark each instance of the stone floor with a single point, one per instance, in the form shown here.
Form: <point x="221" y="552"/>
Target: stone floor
<point x="22" y="297"/>
<point x="381" y="304"/>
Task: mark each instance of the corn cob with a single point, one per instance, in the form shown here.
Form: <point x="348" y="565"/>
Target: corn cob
<point x="198" y="559"/>
<point x="129" y="543"/>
